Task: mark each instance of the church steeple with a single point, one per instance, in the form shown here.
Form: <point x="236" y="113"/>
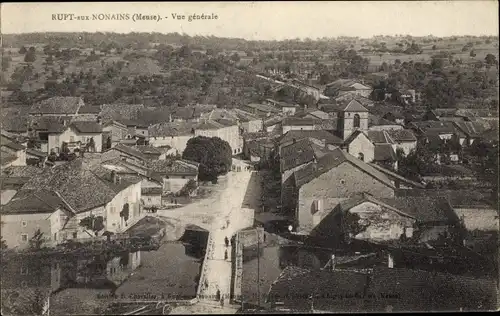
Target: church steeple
<point x="353" y="117"/>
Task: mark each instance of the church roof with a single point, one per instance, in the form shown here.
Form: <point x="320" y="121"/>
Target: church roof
<point x="354" y="106"/>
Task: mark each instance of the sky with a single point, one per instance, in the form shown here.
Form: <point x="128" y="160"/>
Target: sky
<point x="265" y="20"/>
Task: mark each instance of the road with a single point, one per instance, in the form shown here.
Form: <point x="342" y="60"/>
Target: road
<point x="224" y="213"/>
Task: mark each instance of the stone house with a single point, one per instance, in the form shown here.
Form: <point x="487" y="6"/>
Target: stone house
<point x="335" y="88"/>
<point x="360" y="146"/>
<point x="298" y="124"/>
<point x="390" y="220"/>
<point x="57" y="199"/>
<point x="57" y="106"/>
<point x="175" y="174"/>
<point x="286" y="108"/>
<point x="336" y="176"/>
<point x="115" y="132"/>
<point x="13" y="153"/>
<point x="124" y="152"/>
<point x="77" y="135"/>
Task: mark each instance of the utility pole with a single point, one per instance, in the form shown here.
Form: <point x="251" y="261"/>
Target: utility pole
<point x="258" y="268"/>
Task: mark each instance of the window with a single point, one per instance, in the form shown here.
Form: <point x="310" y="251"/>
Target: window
<point x="357" y="121"/>
<point x="361" y="157"/>
<point x="183" y="177"/>
<point x="24" y="237"/>
<point x="71" y="139"/>
<point x="24" y="224"/>
<point x="24" y="270"/>
<point x="342" y="181"/>
<point x="75" y="234"/>
<point x="55" y="236"/>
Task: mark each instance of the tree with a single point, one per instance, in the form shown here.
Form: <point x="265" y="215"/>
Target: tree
<point x="188" y="188"/>
<point x="37" y="240"/>
<point x="433" y="47"/>
<point x="490" y="59"/>
<point x="93" y="223"/>
<point x="125" y="212"/>
<point x="472" y="54"/>
<point x="213" y="154"/>
<point x="6" y="62"/>
<point x="235" y="57"/>
<point x="3" y="244"/>
<point x="30" y="55"/>
<point x="22" y="50"/>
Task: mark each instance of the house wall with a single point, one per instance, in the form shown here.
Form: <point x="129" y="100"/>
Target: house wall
<point x="478" y="218"/>
<point x="130" y="195"/>
<point x="115" y="153"/>
<point x="70" y="135"/>
<point x="230" y="134"/>
<point x="383" y="224"/>
<point x="348" y="123"/>
<point x="252" y="126"/>
<point x="117" y="133"/>
<point x="150" y="200"/>
<point x="178" y="143"/>
<point x="363" y="145"/>
<point x="273" y="128"/>
<point x="333" y="187"/>
<point x="288" y="110"/>
<point x="407" y="147"/>
<point x="13" y="229"/>
<point x="174" y="184"/>
<point x="287" y="128"/>
<point x="385" y="127"/>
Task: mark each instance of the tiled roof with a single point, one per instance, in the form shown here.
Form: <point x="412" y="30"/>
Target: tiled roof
<point x="471" y="129"/>
<point x="151" y="191"/>
<point x="273" y="120"/>
<point x="375" y="120"/>
<point x="87" y="127"/>
<point x="172" y="167"/>
<point x="120" y="111"/>
<point x="147" y="149"/>
<point x="129" y="151"/>
<point x="394" y="175"/>
<point x="171" y="129"/>
<point x="435" y="127"/>
<point x="330" y="108"/>
<point x="12" y="145"/>
<point x="354" y="106"/>
<point x="263" y="107"/>
<point x="352" y="291"/>
<point x="354" y="135"/>
<point x="424" y="209"/>
<point x="297" y="121"/>
<point x="296" y="154"/>
<point x="316" y="134"/>
<point x="319" y="114"/>
<point x="384" y="152"/>
<point x="334" y="159"/>
<point x="21" y="171"/>
<point x="456" y="198"/>
<point x="89" y="109"/>
<point x="402" y="135"/>
<point x="80" y="185"/>
<point x="52" y="124"/>
<point x="378" y="137"/>
<point x="34" y="152"/>
<point x="184" y="113"/>
<point x="244" y="116"/>
<point x="209" y="125"/>
<point x="7" y="157"/>
<point x="33" y="201"/>
<point x="57" y="105"/>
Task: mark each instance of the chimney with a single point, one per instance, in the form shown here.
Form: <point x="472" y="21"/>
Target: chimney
<point x="113" y="176"/>
<point x="294" y="140"/>
<point x="324" y="142"/>
<point x="333" y="262"/>
<point x="390" y="261"/>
